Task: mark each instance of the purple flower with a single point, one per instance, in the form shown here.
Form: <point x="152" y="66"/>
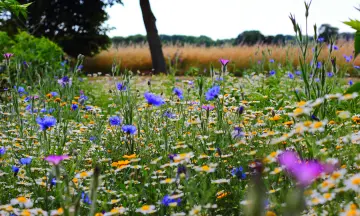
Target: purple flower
<point x="25" y="161"/>
<point x="330" y="74"/>
<point x="7" y="56"/>
<point x="167" y="200"/>
<point x="238" y="172"/>
<point x="356" y="67"/>
<point x="290" y="75"/>
<point x="212" y="93"/>
<point x="129" y="129"/>
<point x="115" y="120"/>
<point x="272" y="72"/>
<point x="120" y="86"/>
<point x="348" y="58"/>
<point x="2" y="151"/>
<point x="65" y="81"/>
<point x="207" y="107"/>
<point x="319" y="65"/>
<point x="74" y="107"/>
<point x="56" y="159"/>
<point x="271" y="60"/>
<point x="46" y="122"/>
<point x="153" y="99"/>
<point x="169" y="114"/>
<point x="298" y="73"/>
<point x="305" y="172"/>
<point x="224" y="62"/>
<point x="350" y="82"/>
<point x="320" y="39"/>
<point x="179" y="93"/>
<point x="15" y="169"/>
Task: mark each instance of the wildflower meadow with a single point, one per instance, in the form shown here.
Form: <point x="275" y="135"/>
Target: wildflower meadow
<point x="276" y="141"/>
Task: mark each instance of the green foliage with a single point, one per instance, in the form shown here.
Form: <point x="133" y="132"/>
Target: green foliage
<point x="35" y="50"/>
<point x="354" y="88"/>
<point x="14" y="7"/>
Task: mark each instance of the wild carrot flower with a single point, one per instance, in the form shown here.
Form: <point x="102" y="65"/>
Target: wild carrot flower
<point x="153" y="99"/>
<point x="55" y="159"/>
<point x="212" y="93"/>
<point x="46" y="122"/>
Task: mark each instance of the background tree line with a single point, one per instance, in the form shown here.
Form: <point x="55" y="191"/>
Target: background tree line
<point x="245" y="38"/>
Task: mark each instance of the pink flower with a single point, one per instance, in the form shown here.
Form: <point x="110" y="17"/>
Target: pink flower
<point x="7" y="56"/>
<point x="207" y="107"/>
<point x="56" y="159"/>
<point x="224" y="62"/>
<point x="305" y="172"/>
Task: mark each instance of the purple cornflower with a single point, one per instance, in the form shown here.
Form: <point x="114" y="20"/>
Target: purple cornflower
<point x="167" y="200"/>
<point x="330" y="74"/>
<point x="212" y="93"/>
<point x="320" y="39"/>
<point x="46" y="122"/>
<point x="238" y="172"/>
<point x="65" y="81"/>
<point x="2" y="151"/>
<point x="271" y="60"/>
<point x="120" y="86"/>
<point x="129" y="129"/>
<point x="178" y="92"/>
<point x="25" y="161"/>
<point x="348" y="58"/>
<point x="291" y="75"/>
<point x="319" y="65"/>
<point x="350" y="82"/>
<point x="115" y="120"/>
<point x="153" y="99"/>
<point x="56" y="159"/>
<point x="356" y="67"/>
<point x="272" y="72"/>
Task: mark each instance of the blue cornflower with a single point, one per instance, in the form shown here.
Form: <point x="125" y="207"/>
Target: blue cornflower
<point x="15" y="169"/>
<point x="51" y="110"/>
<point x="120" y="86"/>
<point x="54" y="94"/>
<point x="356" y="67"/>
<point x="212" y="93"/>
<point x="298" y="72"/>
<point x="320" y="39"/>
<point x="169" y="114"/>
<point x="167" y="200"/>
<point x="238" y="172"/>
<point x="241" y="110"/>
<point x="317" y="80"/>
<point x="53" y="182"/>
<point x="313" y="117"/>
<point x="20" y="90"/>
<point x="46" y="122"/>
<point x="82" y="99"/>
<point x="350" y="82"/>
<point x="153" y="99"/>
<point x="271" y="60"/>
<point x="348" y="58"/>
<point x="65" y="81"/>
<point x="25" y="161"/>
<point x="85" y="198"/>
<point x="63" y="63"/>
<point x="319" y="65"/>
<point x="334" y="47"/>
<point x="330" y="74"/>
<point x="80" y="67"/>
<point x="88" y="108"/>
<point x="92" y="138"/>
<point x="290" y="75"/>
<point x="43" y="110"/>
<point x="74" y="107"/>
<point x="115" y="120"/>
<point x="2" y="151"/>
<point x="129" y="129"/>
<point x="27" y="99"/>
<point x="179" y="93"/>
<point x="272" y="72"/>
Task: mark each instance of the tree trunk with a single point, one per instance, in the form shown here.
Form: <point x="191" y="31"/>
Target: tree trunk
<point x="157" y="56"/>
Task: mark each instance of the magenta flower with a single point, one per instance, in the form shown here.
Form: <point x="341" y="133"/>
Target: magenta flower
<point x="224" y="62"/>
<point x="56" y="159"/>
<point x="7" y="56"/>
<point x="207" y="107"/>
<point x="305" y="172"/>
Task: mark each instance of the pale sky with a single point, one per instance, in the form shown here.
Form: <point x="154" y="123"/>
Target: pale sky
<point x="220" y="19"/>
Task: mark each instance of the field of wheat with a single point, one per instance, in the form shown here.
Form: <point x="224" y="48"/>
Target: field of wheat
<point x="137" y="57"/>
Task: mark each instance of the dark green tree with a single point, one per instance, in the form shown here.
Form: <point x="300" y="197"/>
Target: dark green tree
<point x="249" y="38"/>
<point x="327" y="32"/>
<point x="76" y="25"/>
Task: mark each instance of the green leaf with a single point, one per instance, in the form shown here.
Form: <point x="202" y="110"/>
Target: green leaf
<point x="355" y="24"/>
<point x="354" y="88"/>
<point x="357" y="43"/>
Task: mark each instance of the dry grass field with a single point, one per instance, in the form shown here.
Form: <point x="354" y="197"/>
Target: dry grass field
<point x="137" y="57"/>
